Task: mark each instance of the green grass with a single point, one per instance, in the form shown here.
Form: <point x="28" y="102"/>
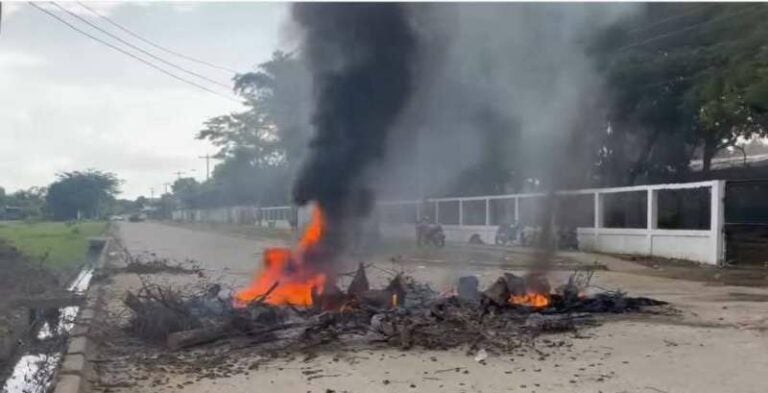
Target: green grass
<point x="56" y="244"/>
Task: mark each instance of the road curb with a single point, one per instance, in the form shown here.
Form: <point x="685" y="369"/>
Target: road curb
<point x="76" y="369"/>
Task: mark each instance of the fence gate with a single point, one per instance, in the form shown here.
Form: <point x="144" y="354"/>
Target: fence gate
<point x="746" y="222"/>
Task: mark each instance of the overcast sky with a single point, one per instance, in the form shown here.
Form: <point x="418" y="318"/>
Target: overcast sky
<point x="68" y="102"/>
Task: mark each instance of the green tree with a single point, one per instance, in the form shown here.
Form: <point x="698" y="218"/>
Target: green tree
<point x="730" y="109"/>
<point x="81" y="194"/>
<point x="187" y="191"/>
<point x="260" y="147"/>
<point x="280" y="93"/>
<point x="140" y="202"/>
<point x="122" y="207"/>
<point x="683" y="78"/>
<point x="31" y="201"/>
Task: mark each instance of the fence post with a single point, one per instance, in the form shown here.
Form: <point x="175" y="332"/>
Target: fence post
<point x="652" y="216"/>
<point x="598" y="210"/>
<point x="437" y="212"/>
<point x="461" y="212"/>
<point x="717" y="221"/>
<point x="487" y="211"/>
<point x="517" y="210"/>
<point x="598" y="218"/>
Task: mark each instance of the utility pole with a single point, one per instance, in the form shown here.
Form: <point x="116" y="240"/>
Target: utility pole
<point x="207" y="159"/>
<point x="151" y="193"/>
<point x="178" y="174"/>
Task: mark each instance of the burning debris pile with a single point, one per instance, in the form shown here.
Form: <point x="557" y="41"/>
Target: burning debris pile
<point x="293" y="305"/>
<point x="404" y="314"/>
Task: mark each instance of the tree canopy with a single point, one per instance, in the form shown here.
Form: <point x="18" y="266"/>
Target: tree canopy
<point x="30" y="202"/>
<point x="81" y="194"/>
<point x="685" y="79"/>
<point x="260" y="147"/>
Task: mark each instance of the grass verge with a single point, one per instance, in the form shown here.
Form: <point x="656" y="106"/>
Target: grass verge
<point x="56" y="244"/>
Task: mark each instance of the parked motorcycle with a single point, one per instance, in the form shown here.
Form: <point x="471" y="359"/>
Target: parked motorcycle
<point x="567" y="239"/>
<point x="430" y="235"/>
<point x="506" y="234"/>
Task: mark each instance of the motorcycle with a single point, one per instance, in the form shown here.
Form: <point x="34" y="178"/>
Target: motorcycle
<point x="567" y="239"/>
<point x="431" y="235"/>
<point x="506" y="234"/>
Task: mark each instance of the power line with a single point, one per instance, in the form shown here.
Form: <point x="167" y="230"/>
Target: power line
<point x="155" y="45"/>
<point x="665" y="20"/>
<point x="661" y="36"/>
<point x="125" y="52"/>
<point x="160" y="59"/>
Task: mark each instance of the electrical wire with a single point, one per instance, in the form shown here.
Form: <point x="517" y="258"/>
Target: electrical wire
<point x="155" y="45"/>
<point x="160" y="59"/>
<point x="125" y="52"/>
<point x="691" y="27"/>
<point x="665" y="20"/>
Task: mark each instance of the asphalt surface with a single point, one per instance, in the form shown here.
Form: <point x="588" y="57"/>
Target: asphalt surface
<point x="718" y="342"/>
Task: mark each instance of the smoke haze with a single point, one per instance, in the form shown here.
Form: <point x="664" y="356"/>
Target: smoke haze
<point x="415" y="101"/>
<point x="504" y="83"/>
<point x="360" y="58"/>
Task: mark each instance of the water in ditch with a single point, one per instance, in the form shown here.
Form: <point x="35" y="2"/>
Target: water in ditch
<point x="34" y="371"/>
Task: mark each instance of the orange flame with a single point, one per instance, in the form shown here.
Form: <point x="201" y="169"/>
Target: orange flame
<point x="534" y="300"/>
<point x="314" y="233"/>
<point x="285" y="278"/>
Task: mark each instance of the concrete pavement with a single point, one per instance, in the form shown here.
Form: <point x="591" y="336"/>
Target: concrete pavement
<point x="718" y="343"/>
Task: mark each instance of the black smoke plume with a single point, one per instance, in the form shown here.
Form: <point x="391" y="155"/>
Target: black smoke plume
<point x="360" y="59"/>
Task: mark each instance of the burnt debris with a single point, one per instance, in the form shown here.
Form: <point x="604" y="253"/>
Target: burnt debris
<point x="404" y="314"/>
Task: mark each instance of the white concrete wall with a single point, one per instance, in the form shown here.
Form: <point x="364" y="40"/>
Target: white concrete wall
<point x="684" y="244"/>
<point x="705" y="246"/>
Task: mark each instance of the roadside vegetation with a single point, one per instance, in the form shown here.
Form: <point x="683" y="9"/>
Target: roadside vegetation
<point x="58" y="245"/>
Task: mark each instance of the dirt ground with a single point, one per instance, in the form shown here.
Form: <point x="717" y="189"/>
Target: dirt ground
<point x="717" y="341"/>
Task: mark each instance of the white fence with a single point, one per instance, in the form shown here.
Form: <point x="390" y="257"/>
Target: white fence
<point x="682" y="220"/>
<point x="274" y="217"/>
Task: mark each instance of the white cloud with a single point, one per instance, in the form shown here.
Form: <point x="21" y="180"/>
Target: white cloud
<point x="185" y="6"/>
<point x="10" y="9"/>
<point x="142" y="134"/>
<point x="102" y="7"/>
<point x="9" y="59"/>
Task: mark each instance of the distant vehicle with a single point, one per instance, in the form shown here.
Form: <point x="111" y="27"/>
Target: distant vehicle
<point x="117" y="218"/>
<point x="137" y="217"/>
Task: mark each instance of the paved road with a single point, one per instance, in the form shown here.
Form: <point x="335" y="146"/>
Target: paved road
<point x="719" y="344"/>
<point x="235" y="257"/>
